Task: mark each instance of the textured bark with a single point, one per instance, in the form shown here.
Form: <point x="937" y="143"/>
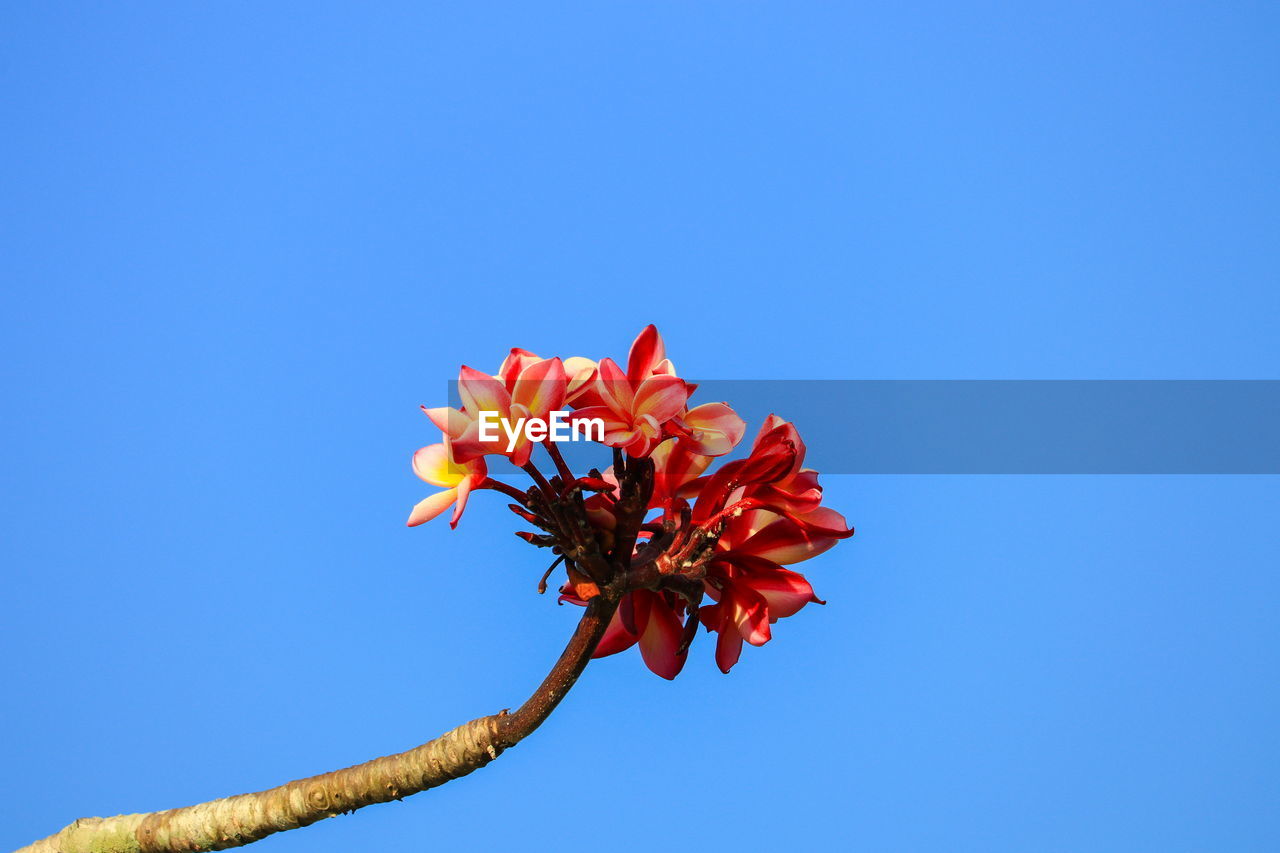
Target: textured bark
<point x="244" y="818"/>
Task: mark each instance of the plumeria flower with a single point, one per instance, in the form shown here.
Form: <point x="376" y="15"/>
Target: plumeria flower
<point x="530" y="388"/>
<point x="773" y="457"/>
<point x="582" y="374"/>
<point x="712" y="429"/>
<point x="675" y="464"/>
<point x="635" y="414"/>
<point x="748" y="583"/>
<point x="740" y="614"/>
<point x="638" y="422"/>
<point x="433" y="465"/>
<point x="798" y="489"/>
<point x="750" y="596"/>
<point x="646" y="358"/>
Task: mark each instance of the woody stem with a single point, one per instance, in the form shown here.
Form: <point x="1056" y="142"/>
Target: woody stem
<point x="245" y="818"/>
<point x="554" y="452"/>
<point x="532" y="471"/>
<point x="510" y="491"/>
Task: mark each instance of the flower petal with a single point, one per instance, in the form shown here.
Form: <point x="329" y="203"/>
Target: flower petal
<point x="728" y="649"/>
<point x="450" y="421"/>
<point x="541" y="387"/>
<point x="661" y="397"/>
<point x="514" y="364"/>
<point x="776" y="429"/>
<point x="432" y="465"/>
<point x="617" y="637"/>
<point x="613" y="388"/>
<point x="520" y="456"/>
<point x="467" y="447"/>
<point x="429" y="508"/>
<point x="747" y="611"/>
<point x="784" y="591"/>
<point x="674" y="466"/>
<point x="826" y="521"/>
<point x="798" y="493"/>
<point x="480" y="392"/>
<point x="785" y="542"/>
<point x="715" y="429"/>
<point x="647" y="351"/>
<point x="582" y="377"/>
<point x="661" y="639"/>
<point x="464" y="491"/>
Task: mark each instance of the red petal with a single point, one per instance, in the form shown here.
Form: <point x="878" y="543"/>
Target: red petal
<point x="467" y="447"/>
<point x="826" y="521"/>
<point x="604" y="413"/>
<point x="783" y="590"/>
<point x="627" y="612"/>
<point x="514" y="364"/>
<point x="541" y="387"/>
<point x="728" y="650"/>
<point x="785" y="542"/>
<point x="520" y="456"/>
<point x="748" y="612"/>
<point x="616" y="638"/>
<point x="770" y="495"/>
<point x="450" y="421"/>
<point x="646" y="352"/>
<point x="661" y="639"/>
<point x="581" y="390"/>
<point x="674" y="467"/>
<point x="480" y="392"/>
<point x="716" y="429"/>
<point x="660" y="397"/>
<point x="621" y="437"/>
<point x="613" y="388"/>
<point x="781" y="429"/>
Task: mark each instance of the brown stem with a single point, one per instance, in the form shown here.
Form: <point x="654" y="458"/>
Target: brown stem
<point x="635" y="489"/>
<point x="532" y="471"/>
<point x="510" y="491"/>
<point x="561" y="467"/>
<point x="542" y="584"/>
<point x="577" y="654"/>
<point x="245" y="818"/>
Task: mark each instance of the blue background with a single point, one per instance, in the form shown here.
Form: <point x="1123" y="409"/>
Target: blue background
<point x="242" y="242"/>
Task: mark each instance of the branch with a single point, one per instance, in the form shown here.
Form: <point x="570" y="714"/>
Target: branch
<point x="245" y="818"/>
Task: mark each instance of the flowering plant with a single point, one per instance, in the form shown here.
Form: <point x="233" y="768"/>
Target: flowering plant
<point x="652" y="547"/>
<point x="669" y="545"/>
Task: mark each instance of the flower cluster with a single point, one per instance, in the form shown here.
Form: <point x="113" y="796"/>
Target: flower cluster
<point x="670" y="544"/>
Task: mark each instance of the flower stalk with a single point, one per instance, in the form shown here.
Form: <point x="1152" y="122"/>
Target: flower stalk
<point x="245" y="818"/>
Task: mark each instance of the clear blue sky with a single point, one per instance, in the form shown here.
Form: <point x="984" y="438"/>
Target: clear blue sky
<point x="241" y="242"/>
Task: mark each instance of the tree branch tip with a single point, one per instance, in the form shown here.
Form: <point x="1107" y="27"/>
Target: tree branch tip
<point x="246" y="818"/>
